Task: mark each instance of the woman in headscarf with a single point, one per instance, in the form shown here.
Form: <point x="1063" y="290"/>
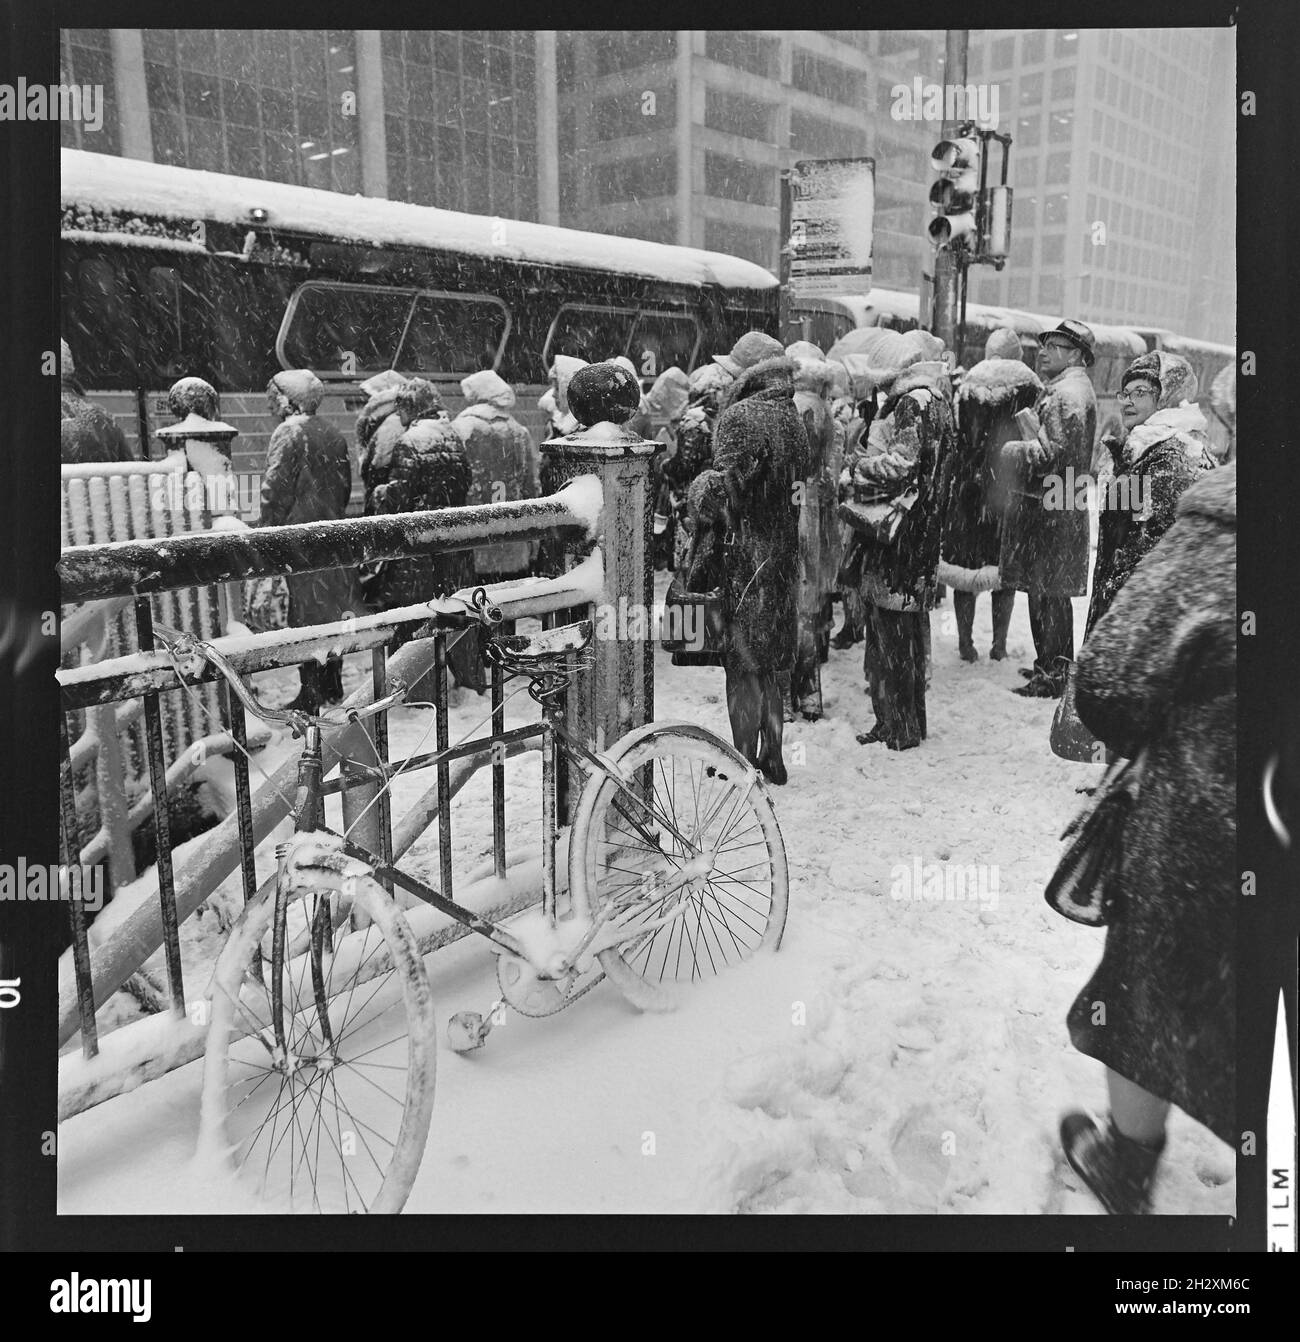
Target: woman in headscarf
<point x="974" y="492"/>
<point x="1163" y="449"/>
<point x="309" y="479"/>
<point x="505" y="466"/>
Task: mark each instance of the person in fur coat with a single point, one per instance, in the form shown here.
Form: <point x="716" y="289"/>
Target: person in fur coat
<point x="1165" y="448"/>
<point x="973" y="489"/>
<point x="1157" y="679"/>
<point x="905" y="447"/>
<point x="746" y="539"/>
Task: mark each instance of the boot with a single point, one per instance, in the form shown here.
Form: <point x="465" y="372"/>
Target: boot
<point x="309" y="694"/>
<point x="331" y="679"/>
<point x="1003" y="604"/>
<point x="1117" y="1169"/>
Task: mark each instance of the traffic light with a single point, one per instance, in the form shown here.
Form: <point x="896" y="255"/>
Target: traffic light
<point x="955" y="196"/>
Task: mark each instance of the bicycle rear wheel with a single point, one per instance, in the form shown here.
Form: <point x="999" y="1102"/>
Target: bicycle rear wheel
<point x="338" y="1120"/>
<point x="710" y="794"/>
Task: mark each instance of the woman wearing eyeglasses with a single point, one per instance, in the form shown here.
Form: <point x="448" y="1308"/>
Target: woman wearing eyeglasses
<point x="1164" y="448"/>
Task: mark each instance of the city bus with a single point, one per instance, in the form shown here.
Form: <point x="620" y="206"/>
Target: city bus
<point x="170" y="272"/>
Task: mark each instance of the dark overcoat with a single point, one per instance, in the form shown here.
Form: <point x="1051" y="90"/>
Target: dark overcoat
<point x="974" y="490"/>
<point x="428" y="469"/>
<point x="87" y="432"/>
<point x="308" y="479"/>
<point x="1158" y="674"/>
<point x="760" y="449"/>
<point x="1045" y="536"/>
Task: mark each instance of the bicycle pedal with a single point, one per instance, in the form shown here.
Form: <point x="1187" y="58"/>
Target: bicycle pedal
<point x="467" y="1031"/>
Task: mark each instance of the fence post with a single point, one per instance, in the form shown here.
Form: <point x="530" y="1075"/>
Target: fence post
<point x="619" y="694"/>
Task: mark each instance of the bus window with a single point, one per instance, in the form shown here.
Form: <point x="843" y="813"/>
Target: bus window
<point x="246" y="305"/>
<point x="109" y="317"/>
<point x="822" y="329"/>
<point x="341" y="330"/>
<point x="663" y="340"/>
<point x="590" y="333"/>
<point x="453" y="335"/>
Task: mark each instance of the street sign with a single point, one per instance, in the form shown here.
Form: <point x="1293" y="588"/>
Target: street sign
<point x="832" y="203"/>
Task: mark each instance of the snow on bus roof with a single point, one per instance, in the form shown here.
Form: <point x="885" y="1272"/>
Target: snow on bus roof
<point x="112" y="183"/>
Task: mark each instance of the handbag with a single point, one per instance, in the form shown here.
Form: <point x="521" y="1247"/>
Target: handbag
<point x="1085" y="885"/>
<point x="1069" y="738"/>
<point x="693" y="622"/>
<point x="880" y="520"/>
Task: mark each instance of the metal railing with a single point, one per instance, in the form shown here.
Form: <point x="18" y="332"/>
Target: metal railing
<point x="138" y="570"/>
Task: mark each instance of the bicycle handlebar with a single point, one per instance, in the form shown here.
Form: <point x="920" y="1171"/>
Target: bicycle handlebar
<point x="186" y="646"/>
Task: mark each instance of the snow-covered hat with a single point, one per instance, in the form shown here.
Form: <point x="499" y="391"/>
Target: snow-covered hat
<point x="1079" y="335"/>
<point x="488" y="388"/>
<point x="563" y="367"/>
<point x="753" y="347"/>
<point x="389" y="379"/>
<point x="192" y="396"/>
<point x="1171" y="374"/>
<point x="668" y="397"/>
<point x="1003" y="343"/>
<point x="67" y="368"/>
<point x="419" y="399"/>
<point x="804" y="349"/>
<point x="301" y="388"/>
<point x="624" y="362"/>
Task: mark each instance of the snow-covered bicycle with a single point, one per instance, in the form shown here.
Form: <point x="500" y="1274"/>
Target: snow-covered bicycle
<point x="320" y="1061"/>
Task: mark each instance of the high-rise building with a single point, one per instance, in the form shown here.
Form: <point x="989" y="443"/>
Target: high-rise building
<point x="681" y="136"/>
<point x="1124" y="173"/>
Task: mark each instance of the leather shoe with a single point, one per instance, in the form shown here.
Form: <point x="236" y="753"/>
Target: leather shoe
<point x="1039" y="687"/>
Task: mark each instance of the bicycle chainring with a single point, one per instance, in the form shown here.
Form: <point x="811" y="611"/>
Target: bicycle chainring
<point x="533" y="996"/>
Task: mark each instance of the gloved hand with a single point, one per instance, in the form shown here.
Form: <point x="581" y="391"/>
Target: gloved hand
<point x="987" y="579"/>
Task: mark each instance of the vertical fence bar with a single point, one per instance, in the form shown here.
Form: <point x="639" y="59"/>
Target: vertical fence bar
<point x="379" y="677"/>
<point x="243" y="793"/>
<point x="548" y="820"/>
<point x="498" y="774"/>
<point x="444" y="769"/>
<point x="162" y="824"/>
<point x="71" y="856"/>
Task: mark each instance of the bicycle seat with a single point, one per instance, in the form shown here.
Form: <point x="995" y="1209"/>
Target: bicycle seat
<point x="545" y="646"/>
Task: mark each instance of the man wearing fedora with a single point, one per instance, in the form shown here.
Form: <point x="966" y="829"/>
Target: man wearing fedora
<point x="1045" y="545"/>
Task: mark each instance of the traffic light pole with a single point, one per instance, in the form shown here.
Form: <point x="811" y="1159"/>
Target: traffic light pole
<point x="949" y="266"/>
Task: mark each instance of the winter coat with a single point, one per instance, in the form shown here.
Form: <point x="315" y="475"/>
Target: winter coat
<point x="428" y="469"/>
<point x="819" y="544"/>
<point x="1153" y="467"/>
<point x="760" y="450"/>
<point x="378" y="428"/>
<point x="907" y="444"/>
<point x="1045" y="548"/>
<point x="308" y="479"/>
<point x="974" y="491"/>
<point x="88" y="432"/>
<point x="505" y="465"/>
<point x="1159" y="674"/>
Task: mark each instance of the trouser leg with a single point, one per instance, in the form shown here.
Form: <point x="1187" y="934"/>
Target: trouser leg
<point x="772" y="729"/>
<point x="963" y="605"/>
<point x="1003" y="604"/>
<point x="745" y="704"/>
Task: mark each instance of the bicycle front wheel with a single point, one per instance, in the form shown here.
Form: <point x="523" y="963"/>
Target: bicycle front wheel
<point x="331" y="1112"/>
<point x="622" y="853"/>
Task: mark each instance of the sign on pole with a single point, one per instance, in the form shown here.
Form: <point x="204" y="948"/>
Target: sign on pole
<point x="832" y="203"/>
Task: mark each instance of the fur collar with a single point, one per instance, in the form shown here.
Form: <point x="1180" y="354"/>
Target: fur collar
<point x="994" y="380"/>
<point x="770" y="378"/>
<point x="917" y="377"/>
<point x="1182" y="421"/>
